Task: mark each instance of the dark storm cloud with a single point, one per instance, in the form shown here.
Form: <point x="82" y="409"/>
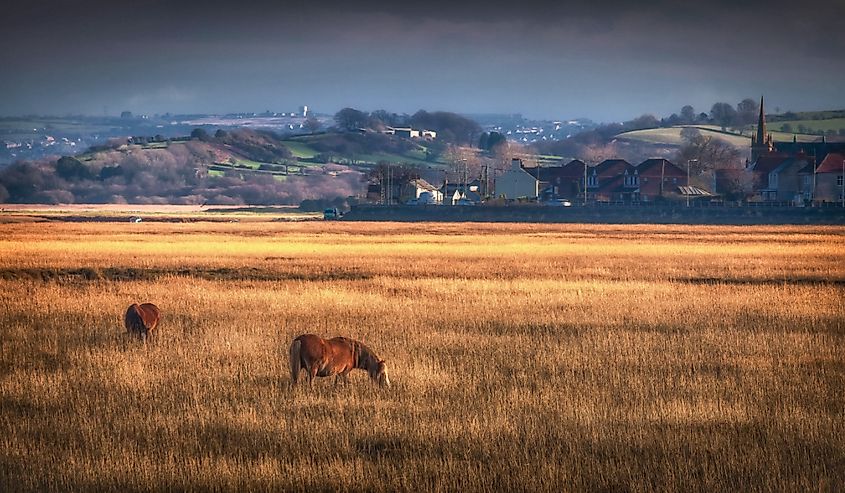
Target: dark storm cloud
<point x="609" y="59"/>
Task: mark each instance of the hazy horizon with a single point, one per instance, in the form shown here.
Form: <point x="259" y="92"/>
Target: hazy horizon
<point x="605" y="59"/>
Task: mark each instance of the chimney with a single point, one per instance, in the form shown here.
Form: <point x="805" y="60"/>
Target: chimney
<point x="516" y="163"/>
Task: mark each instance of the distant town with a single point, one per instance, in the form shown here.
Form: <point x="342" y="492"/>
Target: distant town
<point x="729" y="155"/>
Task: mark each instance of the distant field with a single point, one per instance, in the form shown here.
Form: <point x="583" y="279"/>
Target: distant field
<point x="813" y="125"/>
<point x="46" y="125"/>
<point x="300" y="149"/>
<point x="672" y="136"/>
<point x="377" y="157"/>
<point x="523" y="357"/>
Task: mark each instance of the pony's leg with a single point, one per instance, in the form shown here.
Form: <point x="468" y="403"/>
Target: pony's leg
<point x="341" y="379"/>
<point x="312" y="374"/>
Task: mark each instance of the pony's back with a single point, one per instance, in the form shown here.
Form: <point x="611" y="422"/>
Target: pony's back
<point x="141" y="319"/>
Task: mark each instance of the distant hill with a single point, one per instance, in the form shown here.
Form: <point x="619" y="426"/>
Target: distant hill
<point x="236" y="167"/>
<point x="672" y="136"/>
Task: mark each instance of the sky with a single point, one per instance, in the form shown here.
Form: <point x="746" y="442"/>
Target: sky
<point x="608" y="60"/>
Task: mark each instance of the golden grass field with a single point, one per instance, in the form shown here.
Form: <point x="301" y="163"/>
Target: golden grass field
<point x="522" y="357"/>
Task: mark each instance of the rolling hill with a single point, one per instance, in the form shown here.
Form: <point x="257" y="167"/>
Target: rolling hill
<point x="238" y="167"/>
<point x="671" y="136"/>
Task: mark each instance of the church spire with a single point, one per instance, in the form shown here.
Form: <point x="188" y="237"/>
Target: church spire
<point x="761" y="126"/>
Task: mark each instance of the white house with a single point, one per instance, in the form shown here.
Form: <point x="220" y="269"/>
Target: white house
<point x="517" y="183"/>
<point x="414" y="189"/>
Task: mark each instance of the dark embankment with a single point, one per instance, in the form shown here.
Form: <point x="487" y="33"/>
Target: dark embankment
<point x="603" y="214"/>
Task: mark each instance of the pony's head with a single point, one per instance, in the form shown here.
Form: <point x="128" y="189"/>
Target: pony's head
<point x="378" y="372"/>
<point x="375" y="367"/>
<point x="381" y="375"/>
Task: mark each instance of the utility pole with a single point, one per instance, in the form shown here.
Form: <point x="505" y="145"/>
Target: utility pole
<point x="843" y="183"/>
<point x="689" y="165"/>
<point x="585" y="183"/>
<point x="539" y="182"/>
<point x="464" y="194"/>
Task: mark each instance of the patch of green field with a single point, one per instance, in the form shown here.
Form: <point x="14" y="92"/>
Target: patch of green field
<point x="835" y="124"/>
<point x="156" y="145"/>
<point x="808" y="115"/>
<point x="249" y="163"/>
<point x="377" y="157"/>
<point x="248" y="166"/>
<point x="300" y="149"/>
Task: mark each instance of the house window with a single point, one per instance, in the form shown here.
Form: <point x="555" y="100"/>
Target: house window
<point x="839" y="180"/>
<point x="773" y="180"/>
<point x="632" y="180"/>
<point x="592" y="180"/>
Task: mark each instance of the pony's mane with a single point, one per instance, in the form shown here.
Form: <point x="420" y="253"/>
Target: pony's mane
<point x="367" y="356"/>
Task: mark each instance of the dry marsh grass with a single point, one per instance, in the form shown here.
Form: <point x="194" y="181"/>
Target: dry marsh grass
<point x="522" y="357"/>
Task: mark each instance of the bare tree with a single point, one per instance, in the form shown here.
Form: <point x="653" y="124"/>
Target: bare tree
<point x="707" y="153"/>
<point x="312" y="125"/>
<point x="463" y="161"/>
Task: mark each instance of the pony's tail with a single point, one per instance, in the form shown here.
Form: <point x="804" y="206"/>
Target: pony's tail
<point x="295" y="361"/>
<point x="130" y="318"/>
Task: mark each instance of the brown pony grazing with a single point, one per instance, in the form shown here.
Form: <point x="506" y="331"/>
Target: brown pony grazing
<point x="141" y="320"/>
<point x="337" y="356"/>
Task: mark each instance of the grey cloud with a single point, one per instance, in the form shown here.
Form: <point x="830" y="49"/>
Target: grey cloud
<point x="608" y="59"/>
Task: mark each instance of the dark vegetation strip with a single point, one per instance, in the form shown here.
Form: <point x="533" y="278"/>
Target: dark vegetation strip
<point x="747" y="281"/>
<point x="217" y="274"/>
<point x="119" y="274"/>
<point x="122" y="219"/>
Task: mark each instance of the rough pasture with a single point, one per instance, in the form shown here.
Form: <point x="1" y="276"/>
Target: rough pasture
<point x="522" y="357"/>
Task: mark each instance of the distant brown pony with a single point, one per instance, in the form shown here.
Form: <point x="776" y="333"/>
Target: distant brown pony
<point x="337" y="356"/>
<point x="141" y="320"/>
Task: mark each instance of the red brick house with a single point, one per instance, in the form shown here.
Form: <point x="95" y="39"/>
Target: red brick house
<point x="658" y="178"/>
<point x="606" y="181"/>
<point x="561" y="182"/>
